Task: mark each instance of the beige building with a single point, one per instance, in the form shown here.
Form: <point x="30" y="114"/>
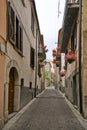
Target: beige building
<point x="19" y="40"/>
<point x="74" y="45"/>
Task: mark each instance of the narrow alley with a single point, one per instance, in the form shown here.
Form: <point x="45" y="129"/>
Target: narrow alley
<point x="49" y="111"/>
<point x="43" y="43"/>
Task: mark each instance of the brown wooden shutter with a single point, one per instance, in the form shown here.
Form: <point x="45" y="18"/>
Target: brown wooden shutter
<point x="11" y="24"/>
<point x="21" y="39"/>
<point x="9" y="20"/>
<point x="32" y="55"/>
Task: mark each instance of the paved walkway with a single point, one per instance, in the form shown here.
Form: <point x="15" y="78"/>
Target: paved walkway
<point x="49" y="111"/>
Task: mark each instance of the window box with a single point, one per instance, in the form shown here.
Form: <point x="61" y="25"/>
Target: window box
<point x="70" y="57"/>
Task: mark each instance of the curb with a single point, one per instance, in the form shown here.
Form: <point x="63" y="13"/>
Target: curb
<point x="10" y="123"/>
<point x="82" y="121"/>
<point x="78" y="115"/>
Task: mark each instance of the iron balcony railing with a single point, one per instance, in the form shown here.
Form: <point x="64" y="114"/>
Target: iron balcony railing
<point x="73" y="1"/>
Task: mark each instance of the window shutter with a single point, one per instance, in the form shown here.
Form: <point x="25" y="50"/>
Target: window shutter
<point x="32" y="55"/>
<point x="21" y="39"/>
<point x="9" y="20"/>
<point x="11" y="24"/>
<point x="17" y="30"/>
<point x="32" y="22"/>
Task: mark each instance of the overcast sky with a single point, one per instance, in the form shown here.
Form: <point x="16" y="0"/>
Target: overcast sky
<point x="50" y="23"/>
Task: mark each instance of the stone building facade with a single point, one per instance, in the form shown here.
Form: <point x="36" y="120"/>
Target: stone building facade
<point x="74" y="42"/>
<point x="19" y="39"/>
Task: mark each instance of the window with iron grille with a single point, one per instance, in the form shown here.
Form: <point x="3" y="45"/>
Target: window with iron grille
<point x="32" y="59"/>
<point x="15" y="32"/>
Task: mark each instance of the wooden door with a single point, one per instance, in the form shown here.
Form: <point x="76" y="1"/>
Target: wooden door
<point x="11" y="91"/>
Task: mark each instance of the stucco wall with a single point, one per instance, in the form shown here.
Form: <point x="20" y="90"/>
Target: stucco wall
<point x="3" y="18"/>
<point x="2" y="56"/>
<point x="24" y="16"/>
<point x="20" y="62"/>
<point x="2" y="61"/>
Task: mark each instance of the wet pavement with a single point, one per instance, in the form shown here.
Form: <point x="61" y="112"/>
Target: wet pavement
<point x="49" y="111"/>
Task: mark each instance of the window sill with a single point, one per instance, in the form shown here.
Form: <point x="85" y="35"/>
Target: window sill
<point x="18" y="51"/>
<point x="32" y="67"/>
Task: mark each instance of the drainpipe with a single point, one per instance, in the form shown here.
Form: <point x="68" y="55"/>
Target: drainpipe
<point x="80" y="57"/>
<point x="35" y="89"/>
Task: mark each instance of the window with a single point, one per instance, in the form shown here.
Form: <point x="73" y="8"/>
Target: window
<point x="32" y="55"/>
<point x="30" y="85"/>
<point x="15" y="32"/>
<point x="32" y="22"/>
<point x="22" y="82"/>
<point x="18" y="35"/>
<point x="11" y="24"/>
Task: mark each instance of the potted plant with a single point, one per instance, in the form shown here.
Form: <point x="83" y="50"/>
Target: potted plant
<point x="54" y="61"/>
<point x="58" y="54"/>
<point x="70" y="57"/>
<point x="62" y="73"/>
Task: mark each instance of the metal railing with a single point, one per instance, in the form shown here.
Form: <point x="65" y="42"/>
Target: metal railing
<point x="73" y="1"/>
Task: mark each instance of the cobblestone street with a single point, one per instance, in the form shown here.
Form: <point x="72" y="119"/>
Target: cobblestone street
<point x="49" y="111"/>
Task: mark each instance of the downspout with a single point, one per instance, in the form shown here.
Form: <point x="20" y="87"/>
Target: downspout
<point x="80" y="57"/>
<point x="35" y="89"/>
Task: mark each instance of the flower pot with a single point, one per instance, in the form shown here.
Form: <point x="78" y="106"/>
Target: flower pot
<point x="70" y="60"/>
<point x="70" y="57"/>
<point x="62" y="73"/>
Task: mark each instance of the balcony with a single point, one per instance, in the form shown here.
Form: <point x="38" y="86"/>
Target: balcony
<point x="73" y="1"/>
<point x="71" y="12"/>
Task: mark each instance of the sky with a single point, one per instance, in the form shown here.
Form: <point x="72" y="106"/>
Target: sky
<point x="50" y="22"/>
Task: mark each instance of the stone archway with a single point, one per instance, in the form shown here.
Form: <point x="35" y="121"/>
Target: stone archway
<point x="13" y="81"/>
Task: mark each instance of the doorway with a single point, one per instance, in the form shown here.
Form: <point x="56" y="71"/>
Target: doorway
<point x="13" y="77"/>
<point x="75" y="99"/>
